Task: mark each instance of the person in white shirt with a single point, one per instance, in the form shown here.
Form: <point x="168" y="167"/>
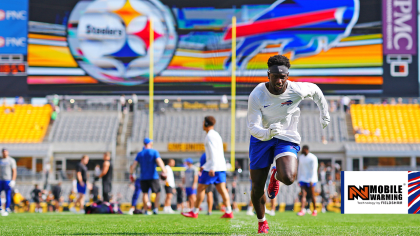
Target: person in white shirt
<point x="214" y="169"/>
<point x="273" y="116"/>
<point x="169" y="186"/>
<point x="307" y="177"/>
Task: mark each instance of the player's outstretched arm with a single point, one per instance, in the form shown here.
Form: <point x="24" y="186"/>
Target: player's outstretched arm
<point x="255" y="122"/>
<point x="312" y="91"/>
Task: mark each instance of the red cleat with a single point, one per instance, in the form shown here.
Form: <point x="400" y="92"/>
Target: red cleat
<point x="190" y="214"/>
<point x="227" y="215"/>
<point x="274" y="186"/>
<point x="301" y="213"/>
<point x="263" y="227"/>
<point x="315" y="213"/>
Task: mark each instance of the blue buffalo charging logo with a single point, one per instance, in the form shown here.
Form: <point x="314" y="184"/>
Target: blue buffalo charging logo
<point x="414" y="192"/>
<point x="301" y="27"/>
<point x="287" y="103"/>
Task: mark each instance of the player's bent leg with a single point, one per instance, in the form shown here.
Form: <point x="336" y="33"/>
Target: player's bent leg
<point x="210" y="202"/>
<point x="221" y="188"/>
<point x="156" y="209"/>
<point x="274" y="185"/>
<point x="145" y="200"/>
<point x="304" y="193"/>
<point x="8" y="193"/>
<point x="201" y="193"/>
<point x="312" y="192"/>
<point x="136" y="195"/>
<point x="258" y="178"/>
<point x="286" y="169"/>
<point x="200" y="196"/>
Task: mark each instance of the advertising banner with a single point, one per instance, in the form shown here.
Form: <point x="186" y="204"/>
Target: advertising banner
<point x="399" y="26"/>
<point x="380" y="192"/>
<point x="13" y="27"/>
<point x="399" y="29"/>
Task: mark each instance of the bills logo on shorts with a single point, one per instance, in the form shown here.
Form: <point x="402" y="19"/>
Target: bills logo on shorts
<point x="414" y="192"/>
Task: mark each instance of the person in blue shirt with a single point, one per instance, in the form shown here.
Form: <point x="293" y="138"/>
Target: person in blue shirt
<point x="148" y="159"/>
<point x="210" y="189"/>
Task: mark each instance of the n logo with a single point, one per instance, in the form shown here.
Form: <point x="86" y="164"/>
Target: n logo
<point x="355" y="192"/>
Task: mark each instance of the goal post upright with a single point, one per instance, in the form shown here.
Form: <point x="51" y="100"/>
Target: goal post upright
<point x="233" y="96"/>
<point x="151" y="79"/>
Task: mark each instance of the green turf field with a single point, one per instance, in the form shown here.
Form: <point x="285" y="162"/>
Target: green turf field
<point x="282" y="224"/>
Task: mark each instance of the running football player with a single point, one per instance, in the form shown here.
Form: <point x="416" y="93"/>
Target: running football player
<point x="273" y="116"/>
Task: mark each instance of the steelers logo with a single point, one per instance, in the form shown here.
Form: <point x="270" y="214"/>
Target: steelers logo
<point x="110" y="39"/>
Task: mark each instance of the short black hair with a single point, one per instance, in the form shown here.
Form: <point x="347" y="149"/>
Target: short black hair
<point x="210" y="120"/>
<point x="305" y="147"/>
<point x="278" y="60"/>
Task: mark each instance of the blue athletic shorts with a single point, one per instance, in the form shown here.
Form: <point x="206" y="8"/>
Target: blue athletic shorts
<point x="81" y="189"/>
<point x="301" y="183"/>
<point x="262" y="153"/>
<point x="190" y="191"/>
<point x="4" y="185"/>
<point x="219" y="177"/>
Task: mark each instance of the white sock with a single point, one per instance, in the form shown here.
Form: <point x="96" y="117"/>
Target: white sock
<point x="229" y="209"/>
<point x="196" y="210"/>
<point x="250" y="209"/>
<point x="261" y="220"/>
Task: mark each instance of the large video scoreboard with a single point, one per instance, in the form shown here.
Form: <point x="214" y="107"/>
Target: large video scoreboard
<point x="103" y="47"/>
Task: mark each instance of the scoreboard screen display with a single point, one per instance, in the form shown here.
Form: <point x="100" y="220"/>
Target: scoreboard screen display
<point x="12" y="65"/>
<point x="13" y="69"/>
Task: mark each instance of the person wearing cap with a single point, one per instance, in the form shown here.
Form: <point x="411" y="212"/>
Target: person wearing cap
<point x="7" y="179"/>
<point x="148" y="159"/>
<point x="189" y="181"/>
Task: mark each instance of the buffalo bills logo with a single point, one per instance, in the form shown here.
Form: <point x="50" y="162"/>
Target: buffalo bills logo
<point x="287" y="103"/>
<point x="302" y="28"/>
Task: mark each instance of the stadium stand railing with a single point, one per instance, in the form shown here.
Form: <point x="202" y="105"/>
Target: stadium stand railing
<point x="85" y="127"/>
<point x="24" y="123"/>
<point x="187" y="127"/>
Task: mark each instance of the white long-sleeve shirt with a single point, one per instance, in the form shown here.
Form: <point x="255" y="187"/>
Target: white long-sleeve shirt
<point x="170" y="180"/>
<point x="215" y="155"/>
<point x="265" y="108"/>
<point x="308" y="168"/>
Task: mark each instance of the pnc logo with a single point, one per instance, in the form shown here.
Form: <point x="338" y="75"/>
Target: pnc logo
<point x="2" y="42"/>
<point x="362" y="192"/>
<point x="12" y="15"/>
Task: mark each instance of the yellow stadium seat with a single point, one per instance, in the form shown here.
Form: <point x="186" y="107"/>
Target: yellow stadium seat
<point x="27" y="124"/>
<point x="397" y="123"/>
